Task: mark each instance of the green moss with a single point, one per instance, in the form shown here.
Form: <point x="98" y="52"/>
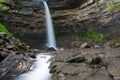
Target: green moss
<point x="18" y="40"/>
<point x="3" y="29"/>
<point x="112" y="7"/>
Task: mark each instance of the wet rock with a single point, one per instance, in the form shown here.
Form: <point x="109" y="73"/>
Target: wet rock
<point x="66" y="57"/>
<point x="91" y="64"/>
<point x="15" y="64"/>
<point x="56" y="67"/>
<point x="114" y="67"/>
<point x="74" y="69"/>
<point x="99" y="77"/>
<point x="51" y="49"/>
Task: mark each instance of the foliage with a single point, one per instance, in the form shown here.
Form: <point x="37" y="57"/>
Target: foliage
<point x="2" y="1"/>
<point x="90" y="35"/>
<point x="17" y="40"/>
<point x="111" y="7"/>
<point x="3" y="29"/>
<point x="104" y="5"/>
<point x="2" y="6"/>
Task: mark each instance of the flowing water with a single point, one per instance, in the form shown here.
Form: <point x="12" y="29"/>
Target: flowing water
<point x="39" y="70"/>
<point x="51" y="42"/>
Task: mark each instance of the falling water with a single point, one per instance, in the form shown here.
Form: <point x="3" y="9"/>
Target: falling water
<point x="39" y="70"/>
<point x="50" y="30"/>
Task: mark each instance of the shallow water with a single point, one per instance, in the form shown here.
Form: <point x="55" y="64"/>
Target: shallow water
<point x="39" y="70"/>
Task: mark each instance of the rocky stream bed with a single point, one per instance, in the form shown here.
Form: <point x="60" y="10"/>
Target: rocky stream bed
<point x="69" y="64"/>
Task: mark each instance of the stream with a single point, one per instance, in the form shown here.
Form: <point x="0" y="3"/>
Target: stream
<point x="39" y="70"/>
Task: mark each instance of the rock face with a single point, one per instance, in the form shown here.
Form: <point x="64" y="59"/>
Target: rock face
<point x="67" y="4"/>
<point x="94" y="15"/>
<point x="69" y="17"/>
<point x="91" y="64"/>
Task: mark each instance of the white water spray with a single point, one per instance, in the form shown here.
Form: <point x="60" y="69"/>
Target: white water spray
<point x="40" y="70"/>
<point x="50" y="30"/>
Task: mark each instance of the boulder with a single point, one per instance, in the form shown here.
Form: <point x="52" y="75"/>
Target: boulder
<point x="14" y="65"/>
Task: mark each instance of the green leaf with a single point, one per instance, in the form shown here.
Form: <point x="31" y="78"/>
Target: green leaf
<point x="3" y="29"/>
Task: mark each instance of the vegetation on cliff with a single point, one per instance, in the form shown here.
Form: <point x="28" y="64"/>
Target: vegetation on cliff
<point x="3" y="29"/>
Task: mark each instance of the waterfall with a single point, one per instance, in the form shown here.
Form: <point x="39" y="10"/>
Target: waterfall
<point x="51" y="42"/>
<point x="39" y="70"/>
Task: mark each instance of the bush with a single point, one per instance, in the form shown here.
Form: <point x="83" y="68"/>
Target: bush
<point x="91" y="35"/>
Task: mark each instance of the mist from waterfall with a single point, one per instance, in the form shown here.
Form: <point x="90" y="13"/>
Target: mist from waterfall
<point x="51" y="42"/>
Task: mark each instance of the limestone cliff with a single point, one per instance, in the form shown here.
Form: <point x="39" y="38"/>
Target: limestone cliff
<point x="68" y="16"/>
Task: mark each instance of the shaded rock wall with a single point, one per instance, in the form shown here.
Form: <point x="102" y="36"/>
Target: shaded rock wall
<point x="69" y="17"/>
<point x="93" y="15"/>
